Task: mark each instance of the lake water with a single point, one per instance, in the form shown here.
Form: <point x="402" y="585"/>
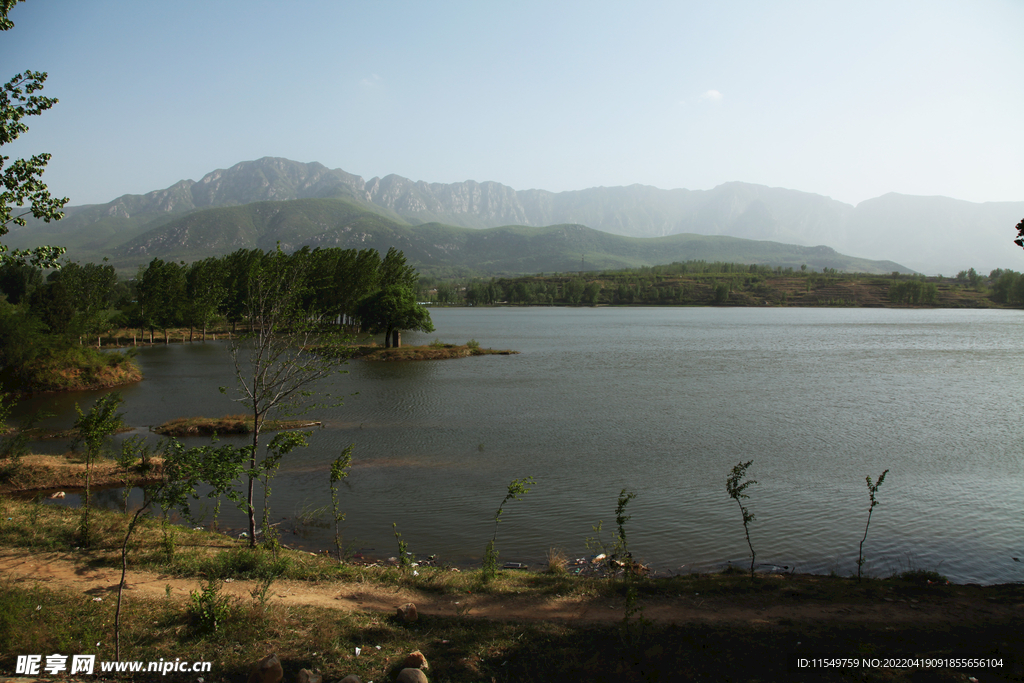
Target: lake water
<point x="663" y="402"/>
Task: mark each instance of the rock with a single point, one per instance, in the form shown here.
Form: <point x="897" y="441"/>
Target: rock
<point x="307" y="676"/>
<point x="267" y="670"/>
<point x="351" y="678"/>
<point x="411" y="676"/>
<point x="415" y="660"/>
<point x="407" y="613"/>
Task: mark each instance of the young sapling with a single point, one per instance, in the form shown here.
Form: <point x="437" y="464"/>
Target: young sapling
<point x="339" y="471"/>
<point x="516" y="490"/>
<point x="736" y="492"/>
<point x="404" y="557"/>
<point x="872" y="490"/>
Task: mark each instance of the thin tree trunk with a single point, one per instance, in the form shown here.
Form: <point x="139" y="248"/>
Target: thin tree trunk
<point x="120" y="586"/>
<point x="252" y="478"/>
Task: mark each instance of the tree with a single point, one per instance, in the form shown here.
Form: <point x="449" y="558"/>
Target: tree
<point x="1020" y="235"/>
<point x="94" y="428"/>
<point x="286" y="352"/>
<point x="735" y="489"/>
<point x="392" y="309"/>
<point x="21" y="179"/>
<point x="204" y="293"/>
<point x="161" y="288"/>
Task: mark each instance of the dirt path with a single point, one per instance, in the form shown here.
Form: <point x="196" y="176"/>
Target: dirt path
<point x="66" y="571"/>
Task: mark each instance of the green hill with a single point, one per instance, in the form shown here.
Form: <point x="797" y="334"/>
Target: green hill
<point x="436" y="247"/>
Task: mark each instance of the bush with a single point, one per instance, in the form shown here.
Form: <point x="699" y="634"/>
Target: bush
<point x="921" y="576"/>
<point x="208" y="610"/>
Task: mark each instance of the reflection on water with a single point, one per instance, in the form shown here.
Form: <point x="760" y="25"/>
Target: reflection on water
<point x="662" y="402"/>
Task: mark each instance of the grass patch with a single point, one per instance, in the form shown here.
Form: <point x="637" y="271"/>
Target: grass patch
<point x="234" y="631"/>
<point x="38" y="620"/>
<point x="31" y="473"/>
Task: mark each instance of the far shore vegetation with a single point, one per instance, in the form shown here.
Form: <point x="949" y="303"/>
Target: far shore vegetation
<point x="74" y="329"/>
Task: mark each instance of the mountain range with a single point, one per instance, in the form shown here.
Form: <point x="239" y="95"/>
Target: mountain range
<point x="257" y="203"/>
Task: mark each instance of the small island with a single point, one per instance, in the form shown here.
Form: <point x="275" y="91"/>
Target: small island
<point x="433" y="351"/>
<point x="229" y="424"/>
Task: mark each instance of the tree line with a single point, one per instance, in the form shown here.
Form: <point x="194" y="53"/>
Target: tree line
<point x="346" y="288"/>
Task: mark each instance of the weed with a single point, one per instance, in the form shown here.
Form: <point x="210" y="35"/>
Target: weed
<point x="339" y="471"/>
<point x="557" y="561"/>
<point x="167" y="538"/>
<point x="311" y="516"/>
<point x="596" y="544"/>
<point x="473" y="344"/>
<point x="622" y="549"/>
<point x="631" y="629"/>
<point x="13" y="445"/>
<point x="517" y="488"/>
<point x="404" y="557"/>
<point x="872" y="490"/>
<point x="208" y="609"/>
<point x="133" y="451"/>
<point x="921" y="576"/>
<point x="736" y="491"/>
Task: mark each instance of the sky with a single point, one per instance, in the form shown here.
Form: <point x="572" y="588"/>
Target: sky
<point x="849" y="100"/>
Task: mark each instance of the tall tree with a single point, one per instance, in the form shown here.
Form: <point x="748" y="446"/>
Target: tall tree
<point x="23" y="191"/>
<point x="161" y="288"/>
<point x="204" y="292"/>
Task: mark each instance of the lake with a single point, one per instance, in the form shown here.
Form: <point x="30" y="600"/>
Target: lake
<point x="662" y="402"/>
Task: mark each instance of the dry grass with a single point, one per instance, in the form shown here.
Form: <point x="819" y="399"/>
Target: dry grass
<point x="557" y="561"/>
<point x="48" y="472"/>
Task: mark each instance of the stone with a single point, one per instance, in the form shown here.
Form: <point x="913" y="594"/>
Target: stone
<point x="411" y="676"/>
<point x="307" y="676"/>
<point x="267" y="670"/>
<point x="351" y="678"/>
<point x="415" y="660"/>
<point x="407" y="613"/>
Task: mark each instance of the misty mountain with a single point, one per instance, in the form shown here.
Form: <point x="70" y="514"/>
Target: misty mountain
<point x="928" y="234"/>
<point x="509" y="250"/>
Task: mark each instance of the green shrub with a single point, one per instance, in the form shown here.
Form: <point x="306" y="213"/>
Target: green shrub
<point x="208" y="610"/>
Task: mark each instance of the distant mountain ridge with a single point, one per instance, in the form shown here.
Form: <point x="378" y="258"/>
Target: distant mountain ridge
<point x="893" y="227"/>
<point x="433" y="247"/>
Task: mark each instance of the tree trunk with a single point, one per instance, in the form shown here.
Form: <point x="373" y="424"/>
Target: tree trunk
<point x="396" y="339"/>
<point x="252" y="478"/>
<point x="190" y="330"/>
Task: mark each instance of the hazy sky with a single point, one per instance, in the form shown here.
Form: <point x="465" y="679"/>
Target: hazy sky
<point x="846" y="99"/>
